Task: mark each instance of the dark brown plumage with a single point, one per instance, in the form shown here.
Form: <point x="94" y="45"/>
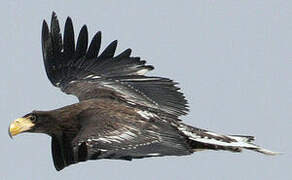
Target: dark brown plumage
<point x="121" y="113"/>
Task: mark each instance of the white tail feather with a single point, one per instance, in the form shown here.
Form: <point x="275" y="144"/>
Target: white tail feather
<point x="226" y="142"/>
<point x="266" y="151"/>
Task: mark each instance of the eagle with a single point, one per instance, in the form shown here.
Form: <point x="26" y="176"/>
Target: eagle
<point x="122" y="113"/>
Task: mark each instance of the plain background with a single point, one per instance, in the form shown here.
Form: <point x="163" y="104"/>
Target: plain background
<point x="233" y="60"/>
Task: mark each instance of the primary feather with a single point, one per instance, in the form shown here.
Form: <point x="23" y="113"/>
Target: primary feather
<point x="86" y="74"/>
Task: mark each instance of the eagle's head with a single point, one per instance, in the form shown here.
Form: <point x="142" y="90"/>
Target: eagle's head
<point x="36" y="122"/>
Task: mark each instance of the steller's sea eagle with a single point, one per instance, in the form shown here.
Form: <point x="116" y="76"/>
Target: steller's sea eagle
<point x="121" y="113"/>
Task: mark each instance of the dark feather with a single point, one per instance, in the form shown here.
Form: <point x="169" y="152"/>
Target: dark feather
<point x="56" y="36"/>
<point x="82" y="152"/>
<point x="109" y="51"/>
<point x="48" y="52"/>
<point x="62" y="151"/>
<point x="94" y="47"/>
<point x="162" y="91"/>
<point x="82" y="42"/>
<point x="57" y="154"/>
<point x="124" y="54"/>
<point x="69" y="42"/>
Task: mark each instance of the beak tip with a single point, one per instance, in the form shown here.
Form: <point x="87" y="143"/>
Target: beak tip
<point x="9" y="133"/>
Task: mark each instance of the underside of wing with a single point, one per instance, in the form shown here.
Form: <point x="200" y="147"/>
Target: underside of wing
<point x="126" y="137"/>
<point x="84" y="72"/>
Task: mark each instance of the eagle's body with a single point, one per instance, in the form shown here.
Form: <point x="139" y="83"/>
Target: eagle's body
<point x="121" y="113"/>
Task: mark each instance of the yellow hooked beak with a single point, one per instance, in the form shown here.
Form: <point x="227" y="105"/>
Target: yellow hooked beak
<point x="19" y="125"/>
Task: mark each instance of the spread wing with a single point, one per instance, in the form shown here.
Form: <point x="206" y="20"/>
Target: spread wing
<point x="123" y="135"/>
<point x="86" y="73"/>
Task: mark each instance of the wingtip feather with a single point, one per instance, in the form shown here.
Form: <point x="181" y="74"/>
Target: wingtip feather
<point x="82" y="42"/>
<point x="94" y="46"/>
<point x="45" y="28"/>
<point x="267" y="152"/>
<point x="109" y="51"/>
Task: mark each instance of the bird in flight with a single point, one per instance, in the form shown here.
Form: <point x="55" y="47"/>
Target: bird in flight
<point x="122" y="113"/>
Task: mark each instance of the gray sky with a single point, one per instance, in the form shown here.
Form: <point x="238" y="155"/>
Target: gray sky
<point x="233" y="60"/>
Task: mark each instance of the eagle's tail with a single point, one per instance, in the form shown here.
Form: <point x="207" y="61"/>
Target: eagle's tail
<point x="200" y="139"/>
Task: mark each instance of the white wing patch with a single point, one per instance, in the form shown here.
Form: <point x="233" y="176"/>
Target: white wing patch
<point x="198" y="138"/>
<point x="92" y="76"/>
<point x="142" y="71"/>
<point x="228" y="144"/>
<point x="96" y="77"/>
<point x="153" y="154"/>
<point x="119" y="138"/>
<point x="146" y="114"/>
<point x="71" y="82"/>
<point x="89" y="76"/>
<point x="213" y="134"/>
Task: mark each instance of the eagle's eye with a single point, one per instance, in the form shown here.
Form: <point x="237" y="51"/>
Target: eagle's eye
<point x="32" y="118"/>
